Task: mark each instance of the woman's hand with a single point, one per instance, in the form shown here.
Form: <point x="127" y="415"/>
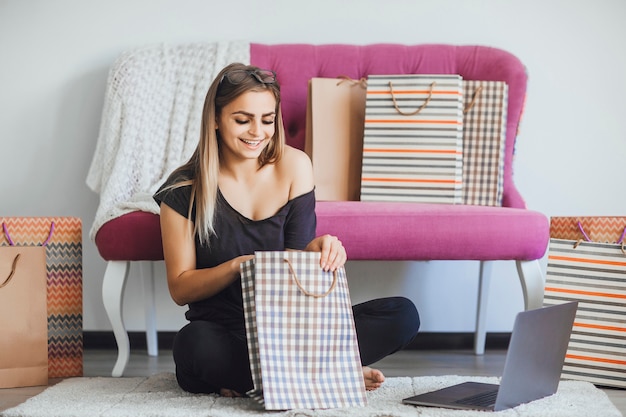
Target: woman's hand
<point x="333" y="254"/>
<point x="236" y="263"/>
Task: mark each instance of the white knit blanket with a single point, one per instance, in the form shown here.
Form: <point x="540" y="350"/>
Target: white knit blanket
<point x="151" y="121"/>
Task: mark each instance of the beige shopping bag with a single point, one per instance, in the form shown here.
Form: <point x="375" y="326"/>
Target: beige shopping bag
<point x="23" y="317"/>
<point x="334" y="136"/>
<point x="64" y="270"/>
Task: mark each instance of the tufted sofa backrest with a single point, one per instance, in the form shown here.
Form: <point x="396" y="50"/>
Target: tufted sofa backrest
<point x="295" y="64"/>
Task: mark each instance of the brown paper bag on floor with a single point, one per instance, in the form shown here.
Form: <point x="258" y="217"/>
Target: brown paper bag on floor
<point x="64" y="270"/>
<point x="23" y="316"/>
<point x="334" y="136"/>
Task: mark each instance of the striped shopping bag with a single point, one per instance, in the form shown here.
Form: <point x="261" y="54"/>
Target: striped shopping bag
<point x="484" y="139"/>
<point x="301" y="337"/>
<point x="587" y="263"/>
<point x="412" y="144"/>
<point x="64" y="272"/>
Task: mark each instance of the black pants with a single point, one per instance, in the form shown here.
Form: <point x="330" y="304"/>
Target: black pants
<point x="209" y="357"/>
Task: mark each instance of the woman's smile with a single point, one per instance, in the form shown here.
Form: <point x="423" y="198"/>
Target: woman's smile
<point x="252" y="143"/>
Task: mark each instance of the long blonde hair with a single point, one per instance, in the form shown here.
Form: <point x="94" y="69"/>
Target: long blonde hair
<point x="204" y="164"/>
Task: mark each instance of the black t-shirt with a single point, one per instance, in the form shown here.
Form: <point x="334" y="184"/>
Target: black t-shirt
<point x="292" y="227"/>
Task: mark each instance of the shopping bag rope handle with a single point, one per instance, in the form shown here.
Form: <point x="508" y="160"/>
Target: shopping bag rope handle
<point x="13" y="266"/>
<point x="420" y="108"/>
<point x="474" y="98"/>
<point x="305" y="292"/>
<point x="361" y="81"/>
<point x="6" y="233"/>
<point x="588" y="239"/>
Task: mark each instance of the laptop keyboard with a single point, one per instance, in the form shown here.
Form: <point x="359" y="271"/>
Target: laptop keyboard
<point x="482" y="400"/>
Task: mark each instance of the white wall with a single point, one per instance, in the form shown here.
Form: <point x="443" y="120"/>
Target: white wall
<point x="54" y="58"/>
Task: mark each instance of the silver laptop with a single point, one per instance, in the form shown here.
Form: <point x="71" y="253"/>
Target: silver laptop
<point x="532" y="368"/>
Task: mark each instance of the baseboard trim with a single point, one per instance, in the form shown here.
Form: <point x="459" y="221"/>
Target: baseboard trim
<point x="457" y="341"/>
<point x="423" y="341"/>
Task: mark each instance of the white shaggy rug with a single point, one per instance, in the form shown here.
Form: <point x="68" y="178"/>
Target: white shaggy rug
<point x="159" y="395"/>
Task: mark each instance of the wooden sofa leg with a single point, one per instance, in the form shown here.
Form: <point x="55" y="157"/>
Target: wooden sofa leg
<point x="147" y="277"/>
<point x="533" y="283"/>
<point x="484" y="281"/>
<point x="113" y="286"/>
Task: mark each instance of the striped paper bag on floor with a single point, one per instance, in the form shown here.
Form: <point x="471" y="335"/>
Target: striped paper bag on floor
<point x="412" y="145"/>
<point x="484" y="139"/>
<point x="587" y="263"/>
<point x="64" y="272"/>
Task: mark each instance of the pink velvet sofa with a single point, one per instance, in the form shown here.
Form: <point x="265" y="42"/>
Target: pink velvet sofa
<point x="372" y="230"/>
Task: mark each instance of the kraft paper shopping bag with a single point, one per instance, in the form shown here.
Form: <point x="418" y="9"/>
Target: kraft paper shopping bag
<point x="334" y="136"/>
<point x="63" y="243"/>
<point x="23" y="317"/>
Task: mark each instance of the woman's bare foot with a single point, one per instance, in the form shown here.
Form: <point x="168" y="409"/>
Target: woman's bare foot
<point x="229" y="393"/>
<point x="373" y="378"/>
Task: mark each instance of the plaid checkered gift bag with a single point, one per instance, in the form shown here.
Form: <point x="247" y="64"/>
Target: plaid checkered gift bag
<point x="587" y="263"/>
<point x="413" y="143"/>
<point x="301" y="335"/>
<point x="484" y="138"/>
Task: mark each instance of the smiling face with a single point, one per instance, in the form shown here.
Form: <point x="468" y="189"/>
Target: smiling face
<point x="246" y="125"/>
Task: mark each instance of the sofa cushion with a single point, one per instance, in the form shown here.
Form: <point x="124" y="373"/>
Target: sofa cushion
<point x="134" y="236"/>
<point x="376" y="231"/>
<point x="409" y="231"/>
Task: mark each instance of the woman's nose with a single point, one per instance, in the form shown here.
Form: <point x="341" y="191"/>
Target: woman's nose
<point x="256" y="128"/>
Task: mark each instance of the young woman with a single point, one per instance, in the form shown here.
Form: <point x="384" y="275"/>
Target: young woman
<point x="244" y="190"/>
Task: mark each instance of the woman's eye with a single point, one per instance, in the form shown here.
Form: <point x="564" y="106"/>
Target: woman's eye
<point x="241" y="121"/>
<point x="268" y="121"/>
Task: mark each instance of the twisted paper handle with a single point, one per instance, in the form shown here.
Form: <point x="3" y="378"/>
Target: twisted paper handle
<point x="13" y="266"/>
<point x="361" y="81"/>
<point x="474" y="98"/>
<point x="304" y="291"/>
<point x="395" y="103"/>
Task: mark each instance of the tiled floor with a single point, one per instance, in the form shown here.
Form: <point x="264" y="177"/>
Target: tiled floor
<point x="404" y="363"/>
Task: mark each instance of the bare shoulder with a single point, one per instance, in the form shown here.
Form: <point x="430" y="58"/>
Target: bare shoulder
<point x="296" y="167"/>
<point x="294" y="158"/>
